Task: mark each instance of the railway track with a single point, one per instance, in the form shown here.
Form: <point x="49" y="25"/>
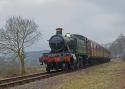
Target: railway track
<point x="20" y="80"/>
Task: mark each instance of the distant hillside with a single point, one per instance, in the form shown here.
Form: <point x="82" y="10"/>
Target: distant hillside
<point x="32" y="59"/>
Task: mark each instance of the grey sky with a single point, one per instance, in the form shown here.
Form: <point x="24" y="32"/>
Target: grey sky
<point x="99" y="20"/>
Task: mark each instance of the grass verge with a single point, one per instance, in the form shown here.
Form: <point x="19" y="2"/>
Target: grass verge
<point x="106" y="76"/>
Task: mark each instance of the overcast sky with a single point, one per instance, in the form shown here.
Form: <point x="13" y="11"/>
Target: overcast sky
<point x="99" y="20"/>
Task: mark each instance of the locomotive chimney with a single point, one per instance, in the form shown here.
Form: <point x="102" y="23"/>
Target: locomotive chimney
<point x="59" y="31"/>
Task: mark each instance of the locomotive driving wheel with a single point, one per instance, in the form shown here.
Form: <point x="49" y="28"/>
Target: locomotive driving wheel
<point x="79" y="62"/>
<point x="65" y="67"/>
<point x="72" y="66"/>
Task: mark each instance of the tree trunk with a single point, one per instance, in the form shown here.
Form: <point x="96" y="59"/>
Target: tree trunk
<point x="21" y="57"/>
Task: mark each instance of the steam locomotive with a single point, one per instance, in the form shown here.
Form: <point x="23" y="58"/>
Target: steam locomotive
<point x="72" y="51"/>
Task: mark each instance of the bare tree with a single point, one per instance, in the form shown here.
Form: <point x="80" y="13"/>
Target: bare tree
<point x="117" y="47"/>
<point x="18" y="34"/>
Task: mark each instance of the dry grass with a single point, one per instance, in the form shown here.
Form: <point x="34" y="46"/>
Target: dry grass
<point x="31" y="70"/>
<point x="106" y="76"/>
<point x="13" y="72"/>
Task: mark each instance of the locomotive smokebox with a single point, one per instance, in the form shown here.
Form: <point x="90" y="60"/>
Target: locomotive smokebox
<point x="59" y="31"/>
